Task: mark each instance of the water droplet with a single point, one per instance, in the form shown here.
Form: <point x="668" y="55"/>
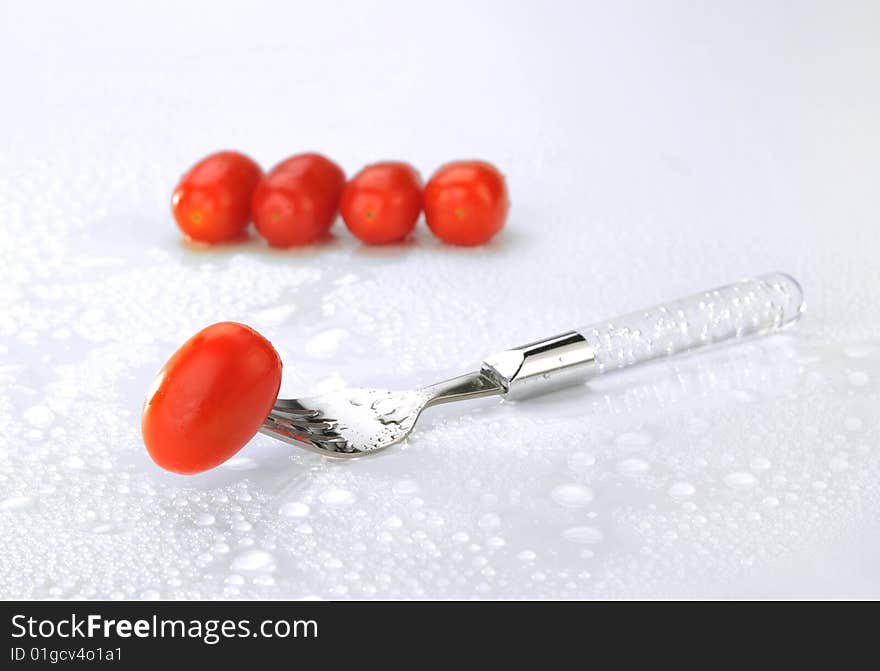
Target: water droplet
<point x="67" y="390"/>
<point x="742" y="396"/>
<point x="274" y="316"/>
<point x="838" y="463"/>
<point x="740" y="480"/>
<point x="333" y="382"/>
<point x="858" y="378"/>
<point x="74" y="462"/>
<point x="682" y="490"/>
<point x="572" y="495"/>
<point x="697" y="426"/>
<point x="586" y="535"/>
<point x="16" y="503"/>
<point x="394" y="522"/>
<point x="489" y="520"/>
<point x="294" y="509"/>
<point x="633" y="466"/>
<point x="760" y="464"/>
<point x="861" y="351"/>
<point x="338" y="497"/>
<point x="253" y="560"/>
<point x="240" y="464"/>
<point x="581" y="461"/>
<point x="106" y="528"/>
<point x="323" y="345"/>
<point x="852" y="423"/>
<point x="40" y="416"/>
<point x="405" y="487"/>
<point x="92" y="316"/>
<point x="204" y="519"/>
<point x="633" y="439"/>
<point x="526" y="556"/>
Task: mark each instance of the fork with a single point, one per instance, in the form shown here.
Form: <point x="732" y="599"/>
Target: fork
<point x="355" y="422"/>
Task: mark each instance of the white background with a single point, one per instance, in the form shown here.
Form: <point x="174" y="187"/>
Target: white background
<point x="651" y="149"/>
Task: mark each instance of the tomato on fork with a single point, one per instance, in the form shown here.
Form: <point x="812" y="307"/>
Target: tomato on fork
<point x="210" y="398"/>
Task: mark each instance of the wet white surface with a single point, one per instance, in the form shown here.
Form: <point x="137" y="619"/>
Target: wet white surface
<point x="650" y="153"/>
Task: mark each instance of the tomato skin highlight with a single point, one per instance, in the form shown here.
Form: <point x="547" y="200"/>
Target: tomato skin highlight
<point x="297" y="201"/>
<point x="210" y="398"/>
<point x="466" y="202"/>
<point x="382" y="203"/>
<point x="212" y="201"/>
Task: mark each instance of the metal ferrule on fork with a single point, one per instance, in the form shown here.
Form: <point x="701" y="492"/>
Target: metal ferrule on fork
<point x="542" y="366"/>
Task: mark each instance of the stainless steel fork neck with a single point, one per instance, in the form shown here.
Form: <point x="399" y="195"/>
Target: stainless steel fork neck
<point x="541" y="366"/>
<point x="461" y="388"/>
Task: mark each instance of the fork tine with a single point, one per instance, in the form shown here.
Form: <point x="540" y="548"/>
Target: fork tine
<point x="291" y="406"/>
<point x="315" y="418"/>
<point x="312" y="431"/>
<point x="311" y="425"/>
<point x="294" y="432"/>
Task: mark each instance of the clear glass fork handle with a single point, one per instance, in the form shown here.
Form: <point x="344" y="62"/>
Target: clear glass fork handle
<point x="759" y="305"/>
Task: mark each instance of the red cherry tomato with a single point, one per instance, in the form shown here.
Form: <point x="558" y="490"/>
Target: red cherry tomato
<point x="466" y="202"/>
<point x="382" y="202"/>
<point x="297" y="201"/>
<point x="210" y="398"/>
<point x="212" y="201"/>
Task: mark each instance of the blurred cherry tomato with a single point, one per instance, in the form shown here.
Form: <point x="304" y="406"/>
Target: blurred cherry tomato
<point x="382" y="202"/>
<point x="297" y="201"/>
<point x="466" y="202"/>
<point x="212" y="201"/>
<point x="210" y="398"/>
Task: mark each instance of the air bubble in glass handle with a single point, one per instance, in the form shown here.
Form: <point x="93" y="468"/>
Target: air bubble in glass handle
<point x="756" y="306"/>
